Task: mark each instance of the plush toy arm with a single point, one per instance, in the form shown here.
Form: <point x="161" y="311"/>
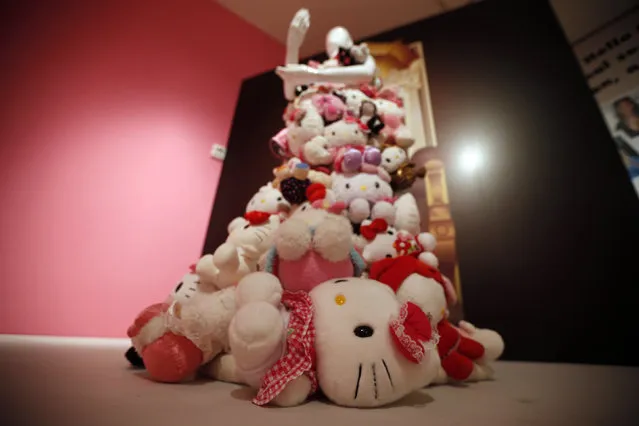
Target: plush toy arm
<point x="223" y="368"/>
<point x="384" y="210"/>
<point x="258" y="287"/>
<point x="302" y="74"/>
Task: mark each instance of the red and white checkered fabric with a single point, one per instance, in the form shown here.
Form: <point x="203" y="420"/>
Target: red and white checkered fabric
<point x="300" y="349"/>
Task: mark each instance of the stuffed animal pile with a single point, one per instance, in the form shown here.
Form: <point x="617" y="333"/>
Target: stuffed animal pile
<point x="326" y="280"/>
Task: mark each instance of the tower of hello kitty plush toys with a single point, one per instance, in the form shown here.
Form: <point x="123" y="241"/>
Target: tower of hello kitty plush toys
<point x="326" y="281"/>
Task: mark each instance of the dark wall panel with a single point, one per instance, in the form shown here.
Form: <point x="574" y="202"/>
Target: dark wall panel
<point x="546" y="233"/>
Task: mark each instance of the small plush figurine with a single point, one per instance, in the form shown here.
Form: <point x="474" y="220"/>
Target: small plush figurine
<point x="183" y="290"/>
<point x="268" y="199"/>
<point x="174" y="338"/>
<point x="345" y="133"/>
<point x="386" y="242"/>
<point x="351" y="337"/>
<point x="465" y="356"/>
<point x="367" y="195"/>
<point x="249" y="238"/>
<point x="314" y="244"/>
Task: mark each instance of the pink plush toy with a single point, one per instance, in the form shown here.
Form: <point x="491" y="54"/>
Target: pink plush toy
<point x="329" y="106"/>
<point x="314" y="244"/>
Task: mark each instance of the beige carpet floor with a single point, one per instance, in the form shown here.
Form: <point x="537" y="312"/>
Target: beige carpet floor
<point x="90" y="384"/>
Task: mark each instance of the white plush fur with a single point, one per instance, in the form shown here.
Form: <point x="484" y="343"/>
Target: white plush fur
<point x="392" y="158"/>
<point x="257" y="332"/>
<point x="354" y="99"/>
<point x="239" y="255"/>
<point x="310" y="126"/>
<point x="331" y="237"/>
<point x="319" y="150"/>
<point x="361" y="190"/>
<point x="407" y="216"/>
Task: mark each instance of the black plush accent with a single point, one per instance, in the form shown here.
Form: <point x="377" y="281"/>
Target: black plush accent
<point x="134" y="359"/>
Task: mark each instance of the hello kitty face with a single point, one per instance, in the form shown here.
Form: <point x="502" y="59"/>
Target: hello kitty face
<point x="368" y="186"/>
<point x="353" y="99"/>
<point x="392" y="158"/>
<point x="186" y="288"/>
<point x="359" y="360"/>
<point x="348" y="131"/>
<point x="269" y="200"/>
<point x="382" y="246"/>
<point x="255" y="237"/>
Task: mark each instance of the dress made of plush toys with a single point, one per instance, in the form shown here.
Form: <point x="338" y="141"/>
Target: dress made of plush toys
<point x="326" y="280"/>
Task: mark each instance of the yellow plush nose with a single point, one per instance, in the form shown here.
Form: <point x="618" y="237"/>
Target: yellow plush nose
<point x="443" y="313"/>
<point x="262" y="201"/>
<point x="363" y="187"/>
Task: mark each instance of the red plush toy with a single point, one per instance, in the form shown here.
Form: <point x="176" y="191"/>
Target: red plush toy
<point x="425" y="286"/>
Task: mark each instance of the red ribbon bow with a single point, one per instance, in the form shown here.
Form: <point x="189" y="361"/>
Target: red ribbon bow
<point x="351" y="119"/>
<point x="377" y="226"/>
<point x="410" y="331"/>
<point x="256" y="217"/>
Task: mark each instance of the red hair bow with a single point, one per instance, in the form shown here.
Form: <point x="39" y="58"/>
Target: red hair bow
<point x="315" y="191"/>
<point x="257" y="218"/>
<point x="351" y="119"/>
<point x="377" y="226"/>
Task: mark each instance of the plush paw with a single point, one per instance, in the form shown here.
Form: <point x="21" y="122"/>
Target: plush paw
<point x="429" y="259"/>
<point x="207" y="271"/>
<point x="226" y="257"/>
<point x="358" y="210"/>
<point x="492" y="342"/>
<point x="258" y="286"/>
<point x="255" y="335"/>
<point x="295" y="393"/>
<point x="384" y="210"/>
<point x="332" y="238"/>
<point x="427" y="240"/>
<point x="171" y="358"/>
<point x="293" y="239"/>
<point x="404" y="138"/>
<point x="316" y="151"/>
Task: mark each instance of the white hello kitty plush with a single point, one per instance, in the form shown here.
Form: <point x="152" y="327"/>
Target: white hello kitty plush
<point x="385" y="241"/>
<point x="269" y="200"/>
<point x="353" y="98"/>
<point x="392" y="158"/>
<point x="366" y="195"/>
<point x="344" y="133"/>
<point x="303" y="123"/>
<point x="249" y="238"/>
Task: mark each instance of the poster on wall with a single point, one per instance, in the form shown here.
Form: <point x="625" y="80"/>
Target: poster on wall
<point x="402" y="65"/>
<point x="609" y="58"/>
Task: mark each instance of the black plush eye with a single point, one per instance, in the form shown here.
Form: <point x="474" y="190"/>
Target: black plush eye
<point x="304" y="207"/>
<point x="390" y="233"/>
<point x="247" y="226"/>
<point x="388" y="160"/>
<point x="348" y="186"/>
<point x="354" y="97"/>
<point x="178" y="287"/>
<point x="363" y="331"/>
<point x="389" y="255"/>
<point x="376" y="184"/>
<point x="333" y="133"/>
<point x="339" y="281"/>
<point x="279" y="198"/>
<point x="357" y="132"/>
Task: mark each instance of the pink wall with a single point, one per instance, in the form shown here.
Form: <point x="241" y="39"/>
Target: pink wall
<point x="109" y="111"/>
